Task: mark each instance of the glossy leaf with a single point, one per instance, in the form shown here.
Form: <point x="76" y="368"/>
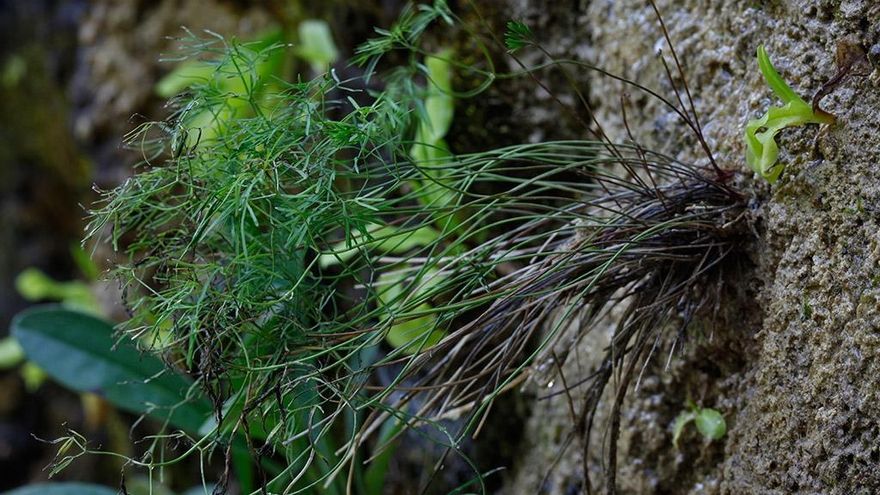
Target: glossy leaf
<point x="69" y="488"/>
<point x="81" y="352"/>
<point x="774" y="80"/>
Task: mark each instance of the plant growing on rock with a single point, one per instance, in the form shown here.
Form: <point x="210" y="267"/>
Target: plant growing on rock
<point x="709" y="422"/>
<point x="760" y="135"/>
<point x="282" y="252"/>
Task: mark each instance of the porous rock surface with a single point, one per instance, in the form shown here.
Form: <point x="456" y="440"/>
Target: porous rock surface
<point x="795" y="364"/>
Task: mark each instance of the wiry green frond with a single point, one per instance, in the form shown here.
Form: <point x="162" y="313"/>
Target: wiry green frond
<point x="518" y="36"/>
<point x="411" y="24"/>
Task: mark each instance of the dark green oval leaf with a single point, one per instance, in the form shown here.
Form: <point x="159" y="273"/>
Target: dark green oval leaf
<point x="70" y="488"/>
<point x="80" y="352"/>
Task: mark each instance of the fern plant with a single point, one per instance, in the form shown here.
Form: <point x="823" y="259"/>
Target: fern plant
<point x="281" y="253"/>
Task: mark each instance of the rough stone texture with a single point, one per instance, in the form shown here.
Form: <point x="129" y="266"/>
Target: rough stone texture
<point x="794" y="364"/>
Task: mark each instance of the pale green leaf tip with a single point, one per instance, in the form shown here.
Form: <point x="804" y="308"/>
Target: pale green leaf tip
<point x="316" y="44"/>
<point x="709" y="422"/>
<point x="11" y="353"/>
<point x="681" y="421"/>
<point x="774" y="80"/>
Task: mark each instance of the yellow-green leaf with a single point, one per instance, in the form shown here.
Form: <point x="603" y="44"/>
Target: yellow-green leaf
<point x="681" y="421"/>
<point x="760" y="136"/>
<point x="183" y="76"/>
<point x="439" y="104"/>
<point x="316" y="45"/>
<point x="411" y="329"/>
<point x="711" y="423"/>
<point x="11" y="353"/>
<point x="381" y="240"/>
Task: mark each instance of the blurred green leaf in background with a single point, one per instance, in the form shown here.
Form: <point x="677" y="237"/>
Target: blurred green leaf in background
<point x="80" y="352"/>
<point x="69" y="488"/>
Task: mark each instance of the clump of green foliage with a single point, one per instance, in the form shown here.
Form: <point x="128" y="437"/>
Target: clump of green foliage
<point x="317" y="222"/>
<point x="760" y="135"/>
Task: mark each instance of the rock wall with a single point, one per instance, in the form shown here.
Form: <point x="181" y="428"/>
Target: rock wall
<point x="793" y="364"/>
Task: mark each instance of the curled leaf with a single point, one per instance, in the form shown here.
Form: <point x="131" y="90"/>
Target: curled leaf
<point x="681" y="421"/>
<point x="760" y="136"/>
